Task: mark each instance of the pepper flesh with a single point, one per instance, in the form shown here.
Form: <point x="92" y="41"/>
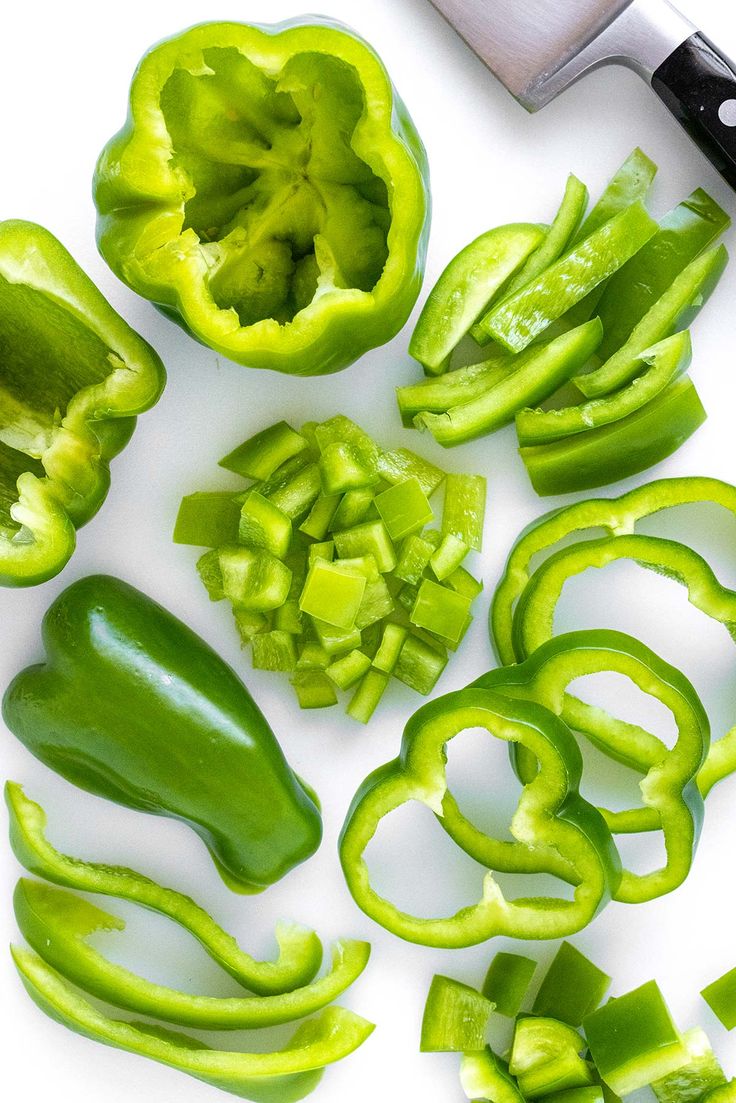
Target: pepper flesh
<point x="300" y="951"/>
<point x="73" y="378"/>
<point x="280" y="1077"/>
<point x="125" y="681"/>
<point x="269" y="192"/>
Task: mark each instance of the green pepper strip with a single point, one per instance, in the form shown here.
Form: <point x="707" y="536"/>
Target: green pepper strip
<point x="279" y="1077"/>
<point x="562" y="229"/>
<point x="661" y="364"/>
<point x="673" y="802"/>
<point x="300" y="951"/>
<point x="613" y="452"/>
<point x="533" y="625"/>
<point x="551" y="819"/>
<point x="55" y="923"/>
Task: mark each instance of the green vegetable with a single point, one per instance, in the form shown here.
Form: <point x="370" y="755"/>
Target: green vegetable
<point x="314" y="690"/>
<point x="332" y="593"/>
<point x="348" y="670"/>
<point x="440" y="611"/>
<point x="300" y="951"/>
<point x="448" y="556"/>
<point x="274" y="650"/>
<point x="720" y="995"/>
<point x="365" y="700"/>
<point x="483" y="1075"/>
<point x="572" y="987"/>
<point x="264" y="525"/>
<point x="207" y="519"/>
<point x="455" y="1017"/>
<point x="633" y="1040"/>
<point x="692" y="1081"/>
<point x="253" y="579"/>
<point x="562" y="230"/>
<point x="404" y="508"/>
<point x="269" y="191"/>
<point x="260" y="456"/>
<point x="420" y="664"/>
<point x="72" y="379"/>
<point x="507" y="981"/>
<point x="123" y="682"/>
<point x="545" y="1057"/>
<point x="464" y="509"/>
<point x="392" y="641"/>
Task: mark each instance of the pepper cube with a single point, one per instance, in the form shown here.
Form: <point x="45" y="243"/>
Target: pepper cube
<point x="440" y="610"/>
<point x="332" y="593"/>
<point x="404" y="508"/>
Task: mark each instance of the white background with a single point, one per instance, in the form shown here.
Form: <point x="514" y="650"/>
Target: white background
<point x="63" y="85"/>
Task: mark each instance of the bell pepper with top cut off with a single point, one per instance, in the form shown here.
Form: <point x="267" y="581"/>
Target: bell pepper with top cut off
<point x="73" y="377"/>
<point x="269" y="192"/>
<point x="554" y="827"/>
<point x="133" y="706"/>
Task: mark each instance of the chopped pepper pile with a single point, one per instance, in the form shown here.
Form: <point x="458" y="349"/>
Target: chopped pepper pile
<point x="600" y="309"/>
<point x="328" y="563"/>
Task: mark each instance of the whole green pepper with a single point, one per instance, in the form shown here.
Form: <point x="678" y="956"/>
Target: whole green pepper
<point x="269" y="192"/>
<point x="133" y="706"/>
<point x="72" y="379"/>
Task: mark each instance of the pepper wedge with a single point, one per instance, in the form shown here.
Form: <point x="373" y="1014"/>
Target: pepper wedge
<point x="269" y="192"/>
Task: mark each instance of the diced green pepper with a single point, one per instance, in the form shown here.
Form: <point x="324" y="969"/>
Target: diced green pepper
<point x="523" y="315"/>
<point x="592" y="1093"/>
<point x="455" y="1018"/>
<point x="464" y="510"/>
<point x="314" y="690"/>
<point x="275" y="650"/>
<point x="466" y="287"/>
<point x="325" y="549"/>
<point x="352" y="509"/>
<point x="572" y="987"/>
<point x="207" y="519"/>
<point x="264" y="525"/>
<point x="440" y="610"/>
<point x="341" y="430"/>
<point x="249" y="624"/>
<point x="464" y="583"/>
<point x="633" y="1040"/>
<point x="404" y="508"/>
<point x="420" y="665"/>
<point x="370" y="690"/>
<point x="545" y="1057"/>
<point x="342" y="468"/>
<point x="720" y="996"/>
<point x="484" y="1075"/>
<point x="348" y="670"/>
<point x="332" y="594"/>
<point x="312" y="656"/>
<point x="336" y="641"/>
<point x="208" y="568"/>
<point x="370" y="538"/>
<point x="261" y="455"/>
<point x="414" y="557"/>
<point x="507" y="981"/>
<point x="317" y="522"/>
<point x="253" y="579"/>
<point x="692" y="1081"/>
<point x="448" y="556"/>
<point x="389" y="648"/>
<point x="402" y="464"/>
<point x="288" y="618"/>
<point x="377" y="603"/>
<point x="298" y="494"/>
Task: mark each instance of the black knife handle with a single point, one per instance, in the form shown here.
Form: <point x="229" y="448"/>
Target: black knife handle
<point x="698" y="84"/>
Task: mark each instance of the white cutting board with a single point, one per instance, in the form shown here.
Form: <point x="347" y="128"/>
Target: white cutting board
<point x="63" y="88"/>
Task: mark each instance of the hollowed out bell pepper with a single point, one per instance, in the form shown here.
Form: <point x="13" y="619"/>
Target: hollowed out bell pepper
<point x="669" y="791"/>
<point x="533" y="625"/>
<point x="617" y="516"/>
<point x="269" y="192"/>
<point x="279" y="1077"/>
<point x="124" y="686"/>
<point x="553" y="825"/>
<point x="72" y="379"/>
<point x="56" y="924"/>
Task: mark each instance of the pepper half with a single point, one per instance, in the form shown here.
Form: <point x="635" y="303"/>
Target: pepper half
<point x="552" y="827"/>
<point x="73" y="377"/>
<point x="125" y="683"/>
<point x="269" y="192"/>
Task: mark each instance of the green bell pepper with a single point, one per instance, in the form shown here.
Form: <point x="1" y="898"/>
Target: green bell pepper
<point x="553" y="825"/>
<point x="562" y="230"/>
<point x="279" y="1077"/>
<point x="720" y="995"/>
<point x="73" y="377"/>
<point x="56" y="924"/>
<point x="507" y="981"/>
<point x="545" y="1057"/>
<point x="124" y="683"/>
<point x="572" y="988"/>
<point x="300" y="951"/>
<point x="484" y="1075"/>
<point x="269" y="192"/>
<point x="455" y="1018"/>
<point x="669" y="791"/>
<point x="691" y="1082"/>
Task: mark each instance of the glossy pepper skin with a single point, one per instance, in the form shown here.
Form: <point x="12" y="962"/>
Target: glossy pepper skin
<point x="133" y="706"/>
<point x="554" y="829"/>
<point x="73" y="377"/>
<point x="269" y="192"/>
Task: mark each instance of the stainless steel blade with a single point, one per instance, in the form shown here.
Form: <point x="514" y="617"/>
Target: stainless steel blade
<point x="538" y="47"/>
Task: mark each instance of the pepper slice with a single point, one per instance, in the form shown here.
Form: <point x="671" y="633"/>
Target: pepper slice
<point x="572" y="988"/>
<point x="552" y="823"/>
<point x="124" y="681"/>
<point x="300" y="951"/>
<point x="484" y="1075"/>
<point x="288" y="1074"/>
<point x="455" y="1017"/>
<point x="669" y="790"/>
<point x="56" y="924"/>
<point x="73" y="377"/>
<point x="269" y="192"/>
<point x="507" y="981"/>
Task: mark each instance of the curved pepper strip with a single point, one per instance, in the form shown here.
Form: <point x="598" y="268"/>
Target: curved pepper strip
<point x="280" y="1077"/>
<point x="55" y="923"/>
<point x="73" y="377"/>
<point x="669" y="789"/>
<point x="269" y="192"/>
<point x="300" y="951"/>
<point x="533" y="625"/>
<point x="551" y="817"/>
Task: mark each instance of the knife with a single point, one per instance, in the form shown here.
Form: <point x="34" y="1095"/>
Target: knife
<point x="539" y="47"/>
